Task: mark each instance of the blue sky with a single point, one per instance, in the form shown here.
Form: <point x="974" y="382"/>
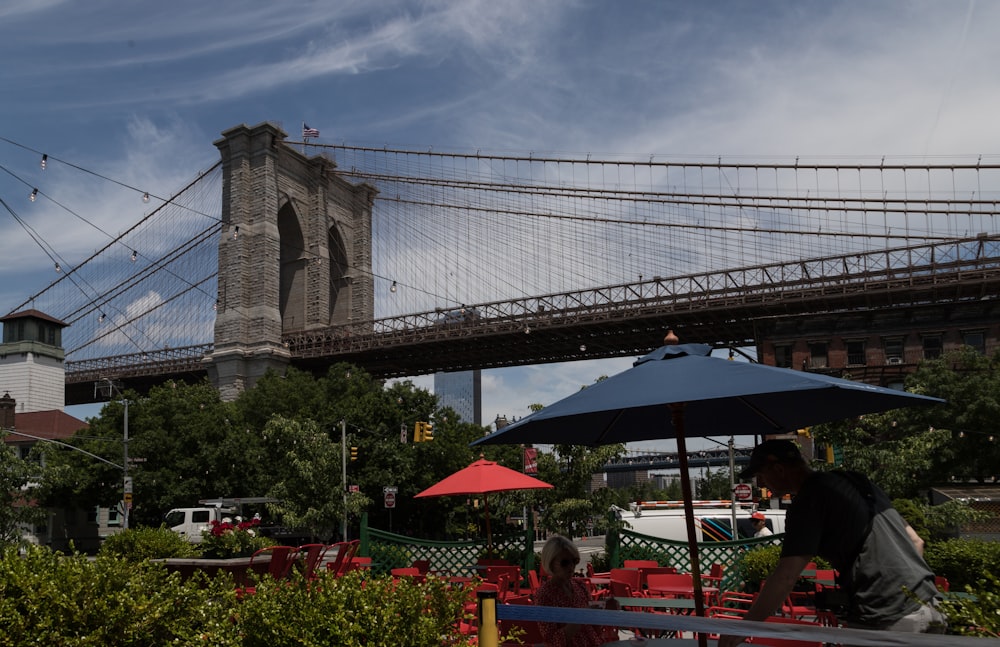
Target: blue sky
<point x="137" y="91"/>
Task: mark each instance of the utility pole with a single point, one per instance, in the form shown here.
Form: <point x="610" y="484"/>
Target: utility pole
<point x="732" y="482"/>
<point x="343" y="469"/>
<point x="126" y="480"/>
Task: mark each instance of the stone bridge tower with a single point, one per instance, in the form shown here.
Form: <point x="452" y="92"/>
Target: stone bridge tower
<point x="295" y="253"/>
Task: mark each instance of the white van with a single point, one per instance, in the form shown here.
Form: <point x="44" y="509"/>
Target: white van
<point x="713" y="520"/>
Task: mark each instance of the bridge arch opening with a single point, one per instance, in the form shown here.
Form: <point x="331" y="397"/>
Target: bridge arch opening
<point x="340" y="293"/>
<point x="292" y="273"/>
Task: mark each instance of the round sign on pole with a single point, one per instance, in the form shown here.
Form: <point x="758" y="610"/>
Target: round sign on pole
<point x="743" y="492"/>
<point x="390" y="499"/>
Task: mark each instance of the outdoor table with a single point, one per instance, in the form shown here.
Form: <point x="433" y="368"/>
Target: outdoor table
<point x="672" y="605"/>
<point x="684" y="590"/>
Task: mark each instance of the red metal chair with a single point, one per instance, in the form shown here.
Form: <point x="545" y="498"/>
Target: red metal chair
<point x="346" y="550"/>
<point x="630" y="576"/>
<point x="279" y="560"/>
<point x="679" y="581"/>
<point x="534" y="582"/>
<point x="592" y="573"/>
<point x="406" y="572"/>
<point x="714" y="578"/>
<point x="309" y="557"/>
<point x="644" y="573"/>
<point x="275" y="561"/>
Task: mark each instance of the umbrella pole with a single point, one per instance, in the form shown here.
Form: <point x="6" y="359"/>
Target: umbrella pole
<point x="489" y="534"/>
<point x="677" y="414"/>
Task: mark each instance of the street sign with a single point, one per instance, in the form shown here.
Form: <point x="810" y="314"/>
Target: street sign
<point x="353" y="488"/>
<point x="390" y="488"/>
<point x="390" y="500"/>
<point x="742" y="492"/>
<point x="128" y="485"/>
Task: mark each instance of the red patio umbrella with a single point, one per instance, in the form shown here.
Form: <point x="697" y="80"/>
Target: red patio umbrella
<point x="483" y="477"/>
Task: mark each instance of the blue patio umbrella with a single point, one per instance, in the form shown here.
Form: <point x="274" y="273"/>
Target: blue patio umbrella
<point x="680" y="391"/>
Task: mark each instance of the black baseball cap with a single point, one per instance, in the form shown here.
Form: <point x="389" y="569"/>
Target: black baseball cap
<point x="782" y="451"/>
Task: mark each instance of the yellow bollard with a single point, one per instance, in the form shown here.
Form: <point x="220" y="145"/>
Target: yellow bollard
<point x="489" y="635"/>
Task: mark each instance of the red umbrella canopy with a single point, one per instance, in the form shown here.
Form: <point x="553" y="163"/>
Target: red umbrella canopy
<point x="482" y="477"/>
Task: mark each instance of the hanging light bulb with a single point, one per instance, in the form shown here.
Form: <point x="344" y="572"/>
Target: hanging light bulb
<point x="45" y="160"/>
<point x="34" y="194"/>
<point x="215" y="306"/>
<point x="100" y="319"/>
<point x="145" y="196"/>
<point x="236" y="231"/>
<point x="392" y="288"/>
<point x="583" y="348"/>
<point x="58" y="267"/>
<point x="135" y="255"/>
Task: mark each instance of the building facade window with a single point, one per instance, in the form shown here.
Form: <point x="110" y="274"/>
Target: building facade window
<point x="817" y="354"/>
<point x="893" y="347"/>
<point x="856" y="353"/>
<point x="783" y="356"/>
<point x="976" y="339"/>
<point x="932" y="346"/>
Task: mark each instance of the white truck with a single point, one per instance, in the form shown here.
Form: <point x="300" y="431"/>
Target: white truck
<point x="713" y="520"/>
<point x="190" y="523"/>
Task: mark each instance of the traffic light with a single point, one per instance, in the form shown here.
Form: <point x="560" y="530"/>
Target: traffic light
<point x="354" y="453"/>
<point x="423" y="432"/>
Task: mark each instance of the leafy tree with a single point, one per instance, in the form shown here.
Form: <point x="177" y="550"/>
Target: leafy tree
<point x="970" y="383"/>
<point x="311" y="493"/>
<point x="714" y="485"/>
<point x="15" y="475"/>
<point x="908" y="450"/>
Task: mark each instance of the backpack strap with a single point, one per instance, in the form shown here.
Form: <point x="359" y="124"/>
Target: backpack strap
<point x="864" y="487"/>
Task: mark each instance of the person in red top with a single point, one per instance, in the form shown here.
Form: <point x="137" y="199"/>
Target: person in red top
<point x="559" y="559"/>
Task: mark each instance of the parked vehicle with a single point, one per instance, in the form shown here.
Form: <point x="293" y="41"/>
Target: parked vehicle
<point x="713" y="519"/>
<point x="190" y="523"/>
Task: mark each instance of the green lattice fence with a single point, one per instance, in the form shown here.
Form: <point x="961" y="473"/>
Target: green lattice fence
<point x="389" y="550"/>
<point x="633" y="545"/>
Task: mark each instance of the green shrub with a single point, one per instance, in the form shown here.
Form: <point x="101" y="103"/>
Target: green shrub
<point x="600" y="561"/>
<point x="976" y="613"/>
<point x="47" y="598"/>
<point x="339" y="611"/>
<point x="757" y="564"/>
<point x="965" y="562"/>
<point x="137" y="544"/>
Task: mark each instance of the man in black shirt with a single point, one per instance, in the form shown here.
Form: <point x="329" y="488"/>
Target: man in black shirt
<point x="847" y="520"/>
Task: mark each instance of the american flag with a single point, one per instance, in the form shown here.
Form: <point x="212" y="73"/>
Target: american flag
<point x="308" y="132"/>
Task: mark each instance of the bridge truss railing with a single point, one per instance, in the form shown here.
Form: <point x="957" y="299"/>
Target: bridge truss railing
<point x="933" y="265"/>
<point x="939" y="263"/>
<point x="184" y="359"/>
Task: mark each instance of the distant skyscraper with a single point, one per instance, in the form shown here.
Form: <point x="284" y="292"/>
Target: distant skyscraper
<point x="463" y="392"/>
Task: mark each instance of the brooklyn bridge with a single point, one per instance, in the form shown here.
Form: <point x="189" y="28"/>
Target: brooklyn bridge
<point x="407" y="262"/>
